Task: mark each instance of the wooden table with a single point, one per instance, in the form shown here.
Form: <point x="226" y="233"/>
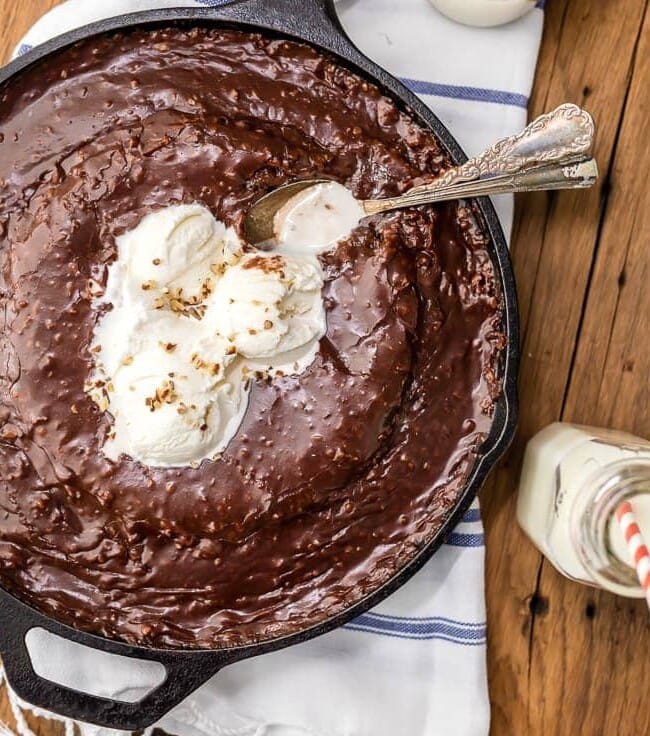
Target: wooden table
<point x="563" y="659"/>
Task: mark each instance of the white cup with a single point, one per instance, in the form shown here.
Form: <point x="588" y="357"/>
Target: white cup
<point x="483" y="12"/>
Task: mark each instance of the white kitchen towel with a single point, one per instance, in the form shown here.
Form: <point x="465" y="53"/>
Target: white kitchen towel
<point x="415" y="665"/>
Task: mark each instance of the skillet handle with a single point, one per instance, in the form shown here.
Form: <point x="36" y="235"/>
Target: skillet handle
<point x="314" y="20"/>
<point x="185" y="672"/>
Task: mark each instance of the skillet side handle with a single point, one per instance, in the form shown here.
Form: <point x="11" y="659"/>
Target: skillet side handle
<point x="314" y="20"/>
<point x="185" y="672"/>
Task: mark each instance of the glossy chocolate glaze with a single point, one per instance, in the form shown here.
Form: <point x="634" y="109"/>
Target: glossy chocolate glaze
<point x="337" y="476"/>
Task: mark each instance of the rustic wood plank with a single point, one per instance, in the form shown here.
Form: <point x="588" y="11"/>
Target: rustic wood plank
<point x="16" y="19"/>
<point x="609" y="385"/>
<point x="598" y="632"/>
<point x="39" y="726"/>
<point x="539" y="685"/>
<point x="527" y="231"/>
<point x="6" y="715"/>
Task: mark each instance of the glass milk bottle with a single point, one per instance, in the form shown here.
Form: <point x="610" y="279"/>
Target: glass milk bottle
<point x="573" y="480"/>
<point x="484" y="12"/>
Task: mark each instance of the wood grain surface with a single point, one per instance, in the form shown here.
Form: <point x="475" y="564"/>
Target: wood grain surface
<point x="562" y="658"/>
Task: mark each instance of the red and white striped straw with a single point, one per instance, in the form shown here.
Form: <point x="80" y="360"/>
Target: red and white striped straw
<point x="636" y="544"/>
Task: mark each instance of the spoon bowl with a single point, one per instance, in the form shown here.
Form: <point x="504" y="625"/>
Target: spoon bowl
<point x="259" y="224"/>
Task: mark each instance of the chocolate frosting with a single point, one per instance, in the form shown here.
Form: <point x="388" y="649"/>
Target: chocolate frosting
<point x="337" y="476"/>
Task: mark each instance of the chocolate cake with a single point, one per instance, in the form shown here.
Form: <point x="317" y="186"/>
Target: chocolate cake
<point x="336" y="476"/>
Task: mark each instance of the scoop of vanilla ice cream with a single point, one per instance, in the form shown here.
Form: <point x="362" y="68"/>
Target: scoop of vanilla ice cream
<point x="268" y="304"/>
<point x="184" y="319"/>
<point x="167" y="410"/>
<point x="158" y="412"/>
<point x="127" y="331"/>
<point x="176" y="248"/>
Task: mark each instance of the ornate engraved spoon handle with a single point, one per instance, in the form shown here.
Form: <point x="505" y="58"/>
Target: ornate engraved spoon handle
<point x="577" y="175"/>
<point x="559" y="138"/>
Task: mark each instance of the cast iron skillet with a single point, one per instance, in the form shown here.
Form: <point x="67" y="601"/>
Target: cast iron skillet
<point x="315" y="22"/>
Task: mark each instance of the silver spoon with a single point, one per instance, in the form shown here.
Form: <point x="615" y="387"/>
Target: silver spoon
<point x="552" y="152"/>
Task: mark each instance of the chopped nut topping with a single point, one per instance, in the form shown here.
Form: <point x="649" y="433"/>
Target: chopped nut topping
<point x="196" y="312"/>
<point x="147" y="285"/>
<point x="168" y="347"/>
<point x="166" y="394"/>
<point x="177" y="303"/>
<point x="288" y="312"/>
<point x="198" y="362"/>
<point x="268" y="325"/>
<point x="207" y="287"/>
<point x="98" y="383"/>
<point x="267" y="264"/>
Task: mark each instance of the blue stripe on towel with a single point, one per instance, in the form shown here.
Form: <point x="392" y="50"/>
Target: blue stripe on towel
<point x="476" y="94"/>
<point x="455" y="632"/>
<point x="455" y="539"/>
<point x="439" y="637"/>
<point x="471" y="515"/>
<point x="213" y="3"/>
<point x="427" y="619"/>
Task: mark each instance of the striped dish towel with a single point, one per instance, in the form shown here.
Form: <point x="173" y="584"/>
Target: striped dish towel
<point x="415" y="665"/>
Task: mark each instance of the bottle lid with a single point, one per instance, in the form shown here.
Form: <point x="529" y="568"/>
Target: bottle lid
<point x="483" y="12"/>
